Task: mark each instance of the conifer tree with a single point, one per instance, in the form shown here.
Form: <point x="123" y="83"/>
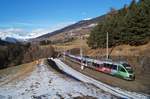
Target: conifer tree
<point x="129" y="25"/>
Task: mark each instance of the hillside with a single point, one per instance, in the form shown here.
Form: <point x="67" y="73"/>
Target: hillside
<point x="121" y="50"/>
<point x="2" y="42"/>
<point x="15" y="73"/>
<point x="136" y="55"/>
<point x="16" y="54"/>
<point x="77" y="29"/>
<point x="130" y="25"/>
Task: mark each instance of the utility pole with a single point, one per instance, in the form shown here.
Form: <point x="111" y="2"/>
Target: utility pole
<point x="81" y="53"/>
<point x="70" y="38"/>
<point x="107" y="46"/>
<point x="71" y="34"/>
<point x="64" y="53"/>
<point x="65" y="47"/>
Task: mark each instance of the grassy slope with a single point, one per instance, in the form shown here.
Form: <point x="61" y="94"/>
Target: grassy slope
<point x="137" y="56"/>
<point x="17" y="72"/>
<point x="122" y="50"/>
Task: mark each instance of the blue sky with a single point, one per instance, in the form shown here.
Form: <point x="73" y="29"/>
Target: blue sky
<point x="30" y="15"/>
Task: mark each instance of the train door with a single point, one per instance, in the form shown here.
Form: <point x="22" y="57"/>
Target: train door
<point x="114" y="69"/>
<point x="89" y="64"/>
<point x="107" y="68"/>
<point x="122" y="72"/>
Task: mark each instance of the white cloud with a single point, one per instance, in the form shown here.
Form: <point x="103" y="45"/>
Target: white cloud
<point x="24" y="24"/>
<point x="41" y="31"/>
<point x="23" y="34"/>
<point x="11" y="32"/>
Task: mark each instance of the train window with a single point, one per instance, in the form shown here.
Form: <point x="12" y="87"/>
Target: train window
<point x="122" y="69"/>
<point x="114" y="67"/>
<point x="109" y="66"/>
<point x="105" y="65"/>
<point x="84" y="61"/>
<point x="99" y="65"/>
<point x="96" y="65"/>
<point x="126" y="65"/>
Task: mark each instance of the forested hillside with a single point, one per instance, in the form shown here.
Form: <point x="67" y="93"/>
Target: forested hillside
<point x="129" y="25"/>
<point x="16" y="54"/>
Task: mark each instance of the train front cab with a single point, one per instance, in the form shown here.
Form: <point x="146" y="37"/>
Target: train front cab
<point x="125" y="71"/>
<point x="119" y="70"/>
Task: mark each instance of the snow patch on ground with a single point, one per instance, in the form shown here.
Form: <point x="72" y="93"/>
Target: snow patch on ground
<point x="43" y="83"/>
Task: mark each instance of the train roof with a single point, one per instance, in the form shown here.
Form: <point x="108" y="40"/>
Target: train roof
<point x="102" y="61"/>
<point x="107" y="61"/>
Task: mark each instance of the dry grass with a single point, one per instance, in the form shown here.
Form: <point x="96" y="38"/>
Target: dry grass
<point x="122" y="50"/>
<point x="71" y="45"/>
<point x="138" y="85"/>
<point x="16" y="73"/>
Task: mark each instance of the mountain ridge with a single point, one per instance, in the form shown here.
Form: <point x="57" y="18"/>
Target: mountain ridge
<point x="2" y="42"/>
<point x="76" y="25"/>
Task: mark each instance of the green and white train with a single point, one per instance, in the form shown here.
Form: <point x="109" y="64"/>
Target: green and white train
<point x="118" y="69"/>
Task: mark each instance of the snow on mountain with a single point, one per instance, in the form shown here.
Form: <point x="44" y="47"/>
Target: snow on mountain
<point x="11" y="40"/>
<point x="12" y="33"/>
<point x="22" y="34"/>
<point x="87" y="19"/>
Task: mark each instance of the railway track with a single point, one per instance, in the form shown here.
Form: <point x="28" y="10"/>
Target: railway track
<point x="115" y="91"/>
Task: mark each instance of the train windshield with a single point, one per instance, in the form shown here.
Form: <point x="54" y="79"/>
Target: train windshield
<point x="128" y="67"/>
<point x="129" y="70"/>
